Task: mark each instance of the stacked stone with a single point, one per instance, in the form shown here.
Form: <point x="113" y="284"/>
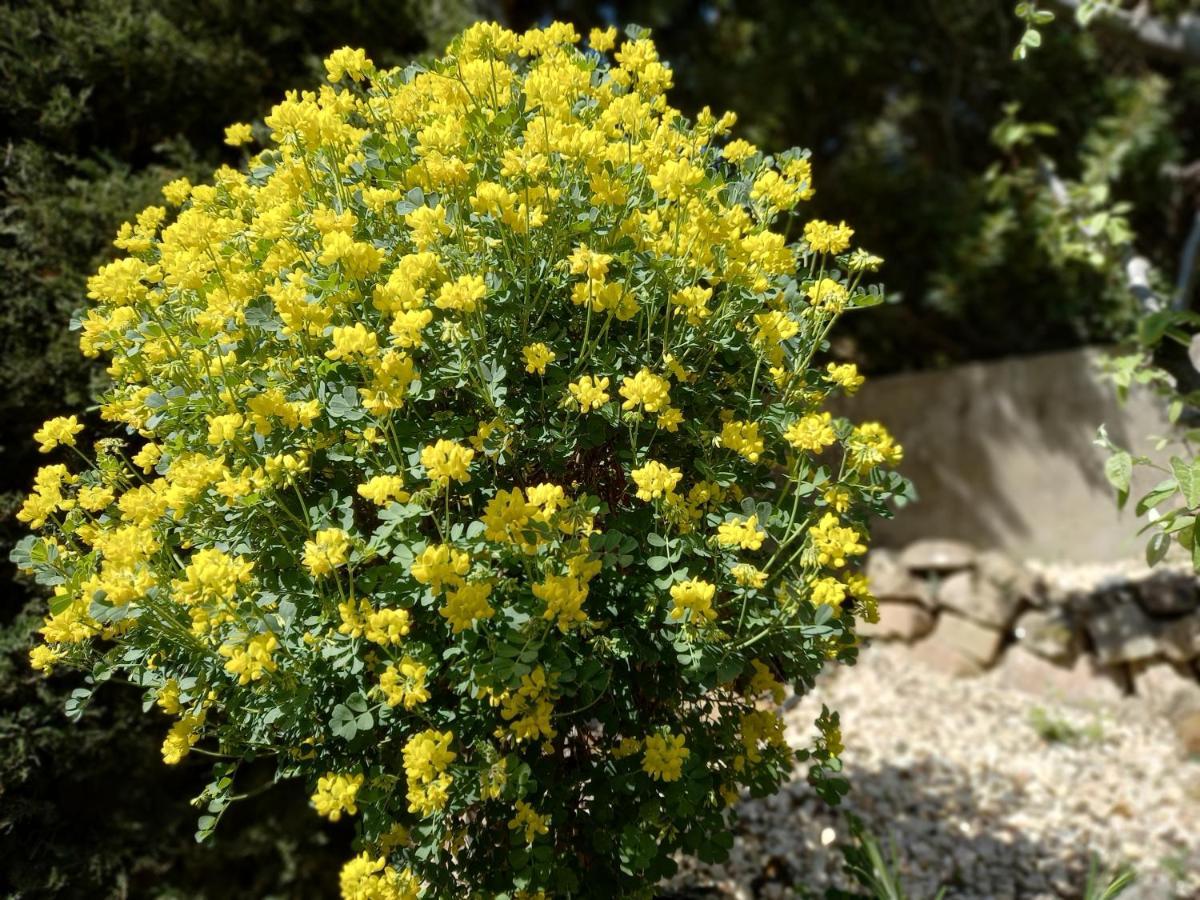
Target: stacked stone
<point x="1080" y="635"/>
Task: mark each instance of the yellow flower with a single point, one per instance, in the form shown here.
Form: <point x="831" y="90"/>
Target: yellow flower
<point x="506" y="515"/>
<point x="738" y="151"/>
<point x="43" y="658"/>
<point x="741" y="532"/>
<point x="845" y="375"/>
<point x="467" y="604"/>
<point x="589" y="393"/>
<point x="181" y="738"/>
<point x="838" y="498"/>
<point x="404" y="683"/>
<point x="812" y="433"/>
<point x="358" y="259"/>
<point x="95" y="497"/>
<point x="147" y="458"/>
<point x="537" y="357"/>
<point x="329" y="550"/>
<point x="696" y="596"/>
<point x="664" y="756"/>
<point x="462" y="295"/>
<point x="353" y="340"/>
<point x="238" y="134"/>
<point x="176" y="192"/>
<point x="871" y="445"/>
<point x="670" y="419"/>
<point x="824" y="237"/>
<point x="602" y="40"/>
<point x="383" y="489"/>
<point x="764" y="682"/>
<point x="347" y="61"/>
<point x="748" y="576"/>
<point x="674" y="178"/>
<point x="743" y="438"/>
<point x="833" y="542"/>
<point x="364" y="878"/>
<point x="427" y="755"/>
<point x="441" y="564"/>
<point x="253" y="660"/>
<point x="564" y="596"/>
<point x="56" y="432"/>
<point x="335" y="794"/>
<point x="828" y="591"/>
<point x="387" y="626"/>
<point x="646" y="389"/>
<point x="655" y="480"/>
<point x="694" y="302"/>
<point x="827" y="295"/>
<point x="446" y="460"/>
<point x="529" y="819"/>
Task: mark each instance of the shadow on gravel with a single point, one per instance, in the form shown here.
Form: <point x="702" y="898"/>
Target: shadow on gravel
<point x="943" y="831"/>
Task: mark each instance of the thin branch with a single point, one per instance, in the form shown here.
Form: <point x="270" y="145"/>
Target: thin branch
<point x="1137" y="268"/>
<point x="1185" y="281"/>
<point x="1177" y="40"/>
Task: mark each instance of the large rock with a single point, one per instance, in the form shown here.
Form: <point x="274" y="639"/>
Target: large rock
<point x="1167" y="593"/>
<point x="1175" y="695"/>
<point x="1122" y="634"/>
<point x="1083" y="682"/>
<point x="937" y="555"/>
<point x="959" y="646"/>
<point x="893" y="583"/>
<point x="899" y="621"/>
<point x="1050" y="634"/>
<point x="1010" y="576"/>
<point x="1180" y="640"/>
<point x="980" y="599"/>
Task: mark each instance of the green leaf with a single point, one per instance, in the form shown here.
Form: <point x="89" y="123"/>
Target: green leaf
<point x="344" y="723"/>
<point x="1187" y="473"/>
<point x="1164" y="490"/>
<point x="657" y="563"/>
<point x="1157" y="549"/>
<point x="1118" y="469"/>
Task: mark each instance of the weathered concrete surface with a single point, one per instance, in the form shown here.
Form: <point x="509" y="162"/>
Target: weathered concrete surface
<point x="1002" y="455"/>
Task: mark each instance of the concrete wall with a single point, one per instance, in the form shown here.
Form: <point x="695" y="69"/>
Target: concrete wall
<point x="1002" y="455"/>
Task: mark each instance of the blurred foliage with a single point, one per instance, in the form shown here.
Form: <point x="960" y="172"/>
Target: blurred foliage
<point x="1005" y="196"/>
<point x="89" y="810"/>
<point x="104" y="101"/>
<point x="902" y="128"/>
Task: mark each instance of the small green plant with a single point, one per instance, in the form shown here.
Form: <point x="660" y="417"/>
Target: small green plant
<point x="1102" y="886"/>
<point x="1058" y="730"/>
<point x="870" y="866"/>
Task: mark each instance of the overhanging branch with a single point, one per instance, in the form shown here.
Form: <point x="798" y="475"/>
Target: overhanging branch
<point x="1177" y="40"/>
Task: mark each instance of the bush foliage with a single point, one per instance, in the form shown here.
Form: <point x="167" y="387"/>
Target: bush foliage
<point x="478" y="474"/>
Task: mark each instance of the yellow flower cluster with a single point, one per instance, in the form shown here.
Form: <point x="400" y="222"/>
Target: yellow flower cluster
<point x="404" y="683"/>
<point x="57" y="432"/>
<point x="336" y="794"/>
<point x="427" y="755"/>
<point x="528" y="820"/>
<point x="694" y="596"/>
<point x="664" y="756"/>
<point x="655" y="480"/>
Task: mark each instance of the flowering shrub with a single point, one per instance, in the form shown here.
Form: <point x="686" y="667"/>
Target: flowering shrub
<point x="476" y="468"/>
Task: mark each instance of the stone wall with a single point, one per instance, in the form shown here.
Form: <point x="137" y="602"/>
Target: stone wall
<point x="1001" y="454"/>
<point x="1076" y="631"/>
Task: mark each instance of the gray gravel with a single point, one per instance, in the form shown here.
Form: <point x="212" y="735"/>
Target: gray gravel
<point x="954" y="773"/>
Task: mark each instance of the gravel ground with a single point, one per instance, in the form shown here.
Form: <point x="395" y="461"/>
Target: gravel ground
<point x="974" y="798"/>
